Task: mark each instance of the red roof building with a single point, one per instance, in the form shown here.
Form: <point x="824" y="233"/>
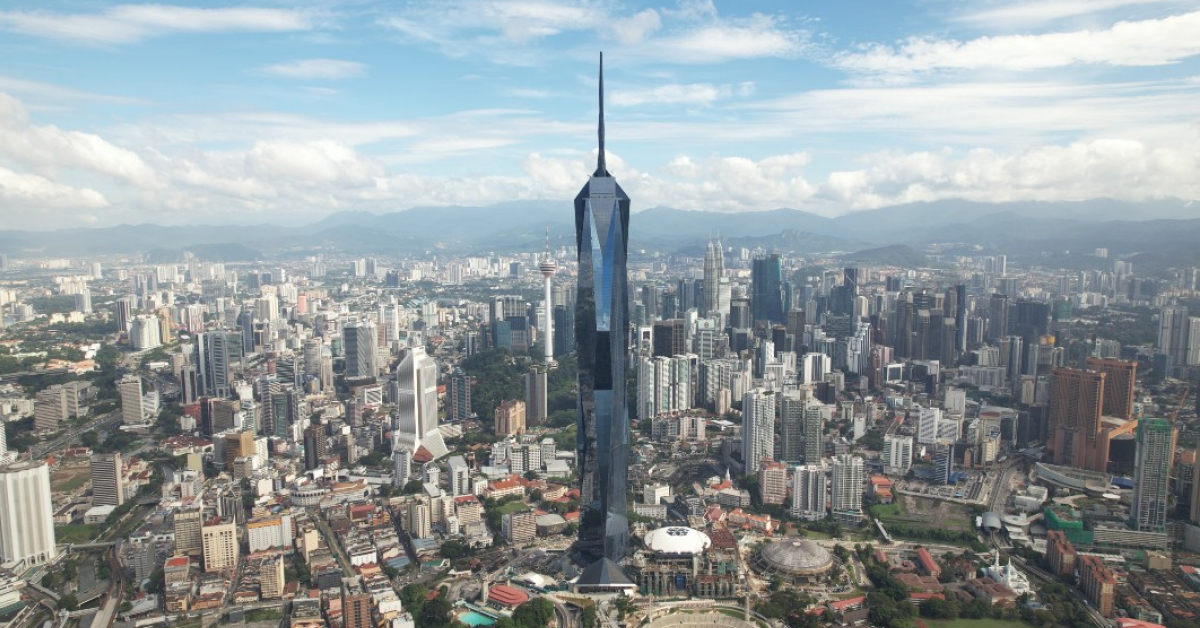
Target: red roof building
<point x="504" y="595"/>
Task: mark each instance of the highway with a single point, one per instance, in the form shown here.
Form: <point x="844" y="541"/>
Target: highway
<point x="40" y="450"/>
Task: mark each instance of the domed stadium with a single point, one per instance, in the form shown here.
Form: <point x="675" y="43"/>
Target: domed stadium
<point x="793" y="558"/>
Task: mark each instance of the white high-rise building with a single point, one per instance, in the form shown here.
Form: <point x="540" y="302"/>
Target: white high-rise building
<point x="417" y="405"/>
<point x="132" y="407"/>
<point x="927" y="425"/>
<point x="4" y="456"/>
<point x="26" y="514"/>
<point x="814" y="367"/>
<point x="460" y="476"/>
<point x="897" y="454"/>
<point x="847" y="489"/>
<point x="808" y="492"/>
<point x="758" y="428"/>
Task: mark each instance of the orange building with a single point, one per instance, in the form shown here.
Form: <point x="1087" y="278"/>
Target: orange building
<point x="1098" y="583"/>
<point x="1119" y="379"/>
<point x="1060" y="553"/>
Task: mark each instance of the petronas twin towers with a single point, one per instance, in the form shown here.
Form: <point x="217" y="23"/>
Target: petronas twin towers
<point x="602" y="347"/>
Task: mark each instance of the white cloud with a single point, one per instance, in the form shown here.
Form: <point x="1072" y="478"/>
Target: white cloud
<point x="129" y="23"/>
<point x="637" y="27"/>
<point x="62" y="94"/>
<point x="1109" y="167"/>
<point x="47" y="148"/>
<point x="720" y="40"/>
<point x="23" y="191"/>
<point x="1042" y="11"/>
<point x="676" y="94"/>
<point x="317" y="69"/>
<point x="1128" y="43"/>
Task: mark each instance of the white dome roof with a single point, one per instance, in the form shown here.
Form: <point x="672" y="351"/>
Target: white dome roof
<point x="677" y="540"/>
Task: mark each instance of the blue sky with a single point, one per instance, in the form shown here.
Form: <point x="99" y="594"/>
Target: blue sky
<point x="242" y="113"/>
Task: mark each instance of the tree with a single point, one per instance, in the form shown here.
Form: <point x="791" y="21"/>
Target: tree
<point x="588" y="616"/>
<point x="412" y="488"/>
<point x="436" y="613"/>
<point x="68" y="602"/>
<point x="90" y="439"/>
<point x="455" y="548"/>
<point x="535" y="613"/>
<point x="531" y="475"/>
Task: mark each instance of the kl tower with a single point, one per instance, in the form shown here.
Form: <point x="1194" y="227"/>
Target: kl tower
<point x="548" y="268"/>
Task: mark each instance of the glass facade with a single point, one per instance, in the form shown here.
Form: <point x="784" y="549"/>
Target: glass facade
<point x="602" y="345"/>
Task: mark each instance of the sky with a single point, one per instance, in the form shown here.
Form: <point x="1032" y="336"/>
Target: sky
<point x="284" y="113"/>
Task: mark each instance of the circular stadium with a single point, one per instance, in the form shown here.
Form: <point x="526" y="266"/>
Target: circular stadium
<point x="676" y="540"/>
<point x="796" y="559"/>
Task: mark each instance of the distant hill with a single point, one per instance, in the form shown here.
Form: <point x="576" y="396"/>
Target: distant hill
<point x="1158" y="234"/>
<point x="892" y="255"/>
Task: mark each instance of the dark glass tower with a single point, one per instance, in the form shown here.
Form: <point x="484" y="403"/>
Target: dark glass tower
<point x="602" y="344"/>
<point x="766" y="300"/>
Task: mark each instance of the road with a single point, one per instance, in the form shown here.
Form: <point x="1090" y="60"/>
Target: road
<point x="335" y="546"/>
<point x="40" y="450"/>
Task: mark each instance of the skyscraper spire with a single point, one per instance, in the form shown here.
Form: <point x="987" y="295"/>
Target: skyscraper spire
<point x="601" y="168"/>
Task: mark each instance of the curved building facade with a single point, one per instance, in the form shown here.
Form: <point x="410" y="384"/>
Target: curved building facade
<point x="602" y="343"/>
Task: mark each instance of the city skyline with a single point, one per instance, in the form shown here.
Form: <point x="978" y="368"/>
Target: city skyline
<point x="180" y="114"/>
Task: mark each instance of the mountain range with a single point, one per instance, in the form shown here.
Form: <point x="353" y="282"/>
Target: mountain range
<point x="1158" y="233"/>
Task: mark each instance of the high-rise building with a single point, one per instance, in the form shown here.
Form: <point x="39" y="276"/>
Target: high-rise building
<point x="766" y="301"/>
<point x="132" y="409"/>
<point x="186" y="523"/>
<point x="460" y="476"/>
<point x="602" y="346"/>
<point x="221" y="547"/>
<point x="535" y="395"/>
<point x="215" y="353"/>
<point x="419" y="524"/>
<point x="362" y="359"/>
<point x="510" y="417"/>
<point x="26" y="514"/>
<point x="897" y="454"/>
<point x="847" y="491"/>
<point x="758" y="428"/>
<point x="809" y="492"/>
<point x="714" y="270"/>
<point x="1173" y="334"/>
<point x="519" y="528"/>
<point x="1152" y="475"/>
<point x="773" y="482"/>
<point x="458" y="396"/>
<point x="108" y="480"/>
<point x="356" y="611"/>
<point x="1076" y="427"/>
<point x="814" y="434"/>
<point x="791" y="432"/>
<point x="316" y="446"/>
<point x="417" y="406"/>
<point x="1119" y="379"/>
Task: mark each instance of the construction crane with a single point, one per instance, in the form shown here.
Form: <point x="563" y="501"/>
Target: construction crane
<point x="1187" y="391"/>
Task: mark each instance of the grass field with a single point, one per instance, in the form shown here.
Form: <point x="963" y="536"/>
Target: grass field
<point x="974" y="623"/>
<point x="511" y="507"/>
<point x="68" y="480"/>
<point x="916" y="512"/>
<point x="74" y="533"/>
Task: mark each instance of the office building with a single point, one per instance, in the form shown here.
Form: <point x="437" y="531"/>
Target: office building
<point x="316" y="446"/>
<point x="510" y="418"/>
<point x="758" y="428"/>
<point x="1152" y="475"/>
<point x="847" y="489"/>
<point x="601" y="323"/>
<point x="419" y="524"/>
<point x="535" y="396"/>
<point x="220" y="544"/>
<point x="460" y="476"/>
<point x="417" y="406"/>
<point x="214" y="356"/>
<point x="766" y="283"/>
<point x="362" y="359"/>
<point x="1077" y="436"/>
<point x="60" y="402"/>
<point x="26" y="514"/>
<point x="186" y="523"/>
<point x="714" y="270"/>
<point x="108" y="480"/>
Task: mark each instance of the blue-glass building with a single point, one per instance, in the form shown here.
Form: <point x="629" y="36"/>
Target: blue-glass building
<point x="602" y="344"/>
